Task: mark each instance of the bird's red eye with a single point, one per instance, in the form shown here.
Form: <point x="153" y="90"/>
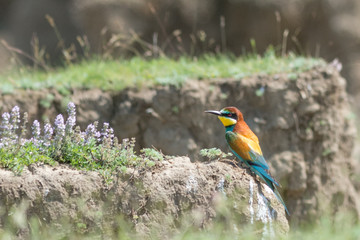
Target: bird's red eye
<point x="229" y="114"/>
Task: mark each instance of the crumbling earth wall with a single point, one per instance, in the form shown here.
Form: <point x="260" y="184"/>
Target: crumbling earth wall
<point x="156" y="202"/>
<point x="303" y="122"/>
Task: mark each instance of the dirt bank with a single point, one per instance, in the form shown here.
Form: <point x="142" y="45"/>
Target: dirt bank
<point x="303" y="122"/>
<point x="156" y="201"/>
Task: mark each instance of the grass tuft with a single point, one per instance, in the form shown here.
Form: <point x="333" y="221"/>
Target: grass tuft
<point x="138" y="72"/>
<point x="214" y="153"/>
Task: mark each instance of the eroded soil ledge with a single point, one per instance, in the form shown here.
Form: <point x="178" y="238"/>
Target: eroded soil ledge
<point x="154" y="201"/>
<point x="303" y="122"/>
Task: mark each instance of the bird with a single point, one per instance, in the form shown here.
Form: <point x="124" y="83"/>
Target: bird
<point x="244" y="144"/>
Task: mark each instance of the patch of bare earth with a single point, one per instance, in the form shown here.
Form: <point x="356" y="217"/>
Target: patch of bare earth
<point x="156" y="202"/>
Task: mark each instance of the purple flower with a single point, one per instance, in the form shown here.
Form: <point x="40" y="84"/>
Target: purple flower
<point x="59" y="128"/>
<point x="107" y="133"/>
<point x="71" y="121"/>
<point x="7" y="137"/>
<point x="104" y="132"/>
<point x="15" y="117"/>
<point x="8" y="127"/>
<point x="5" y="125"/>
<point x="36" y="129"/>
<point x="36" y="133"/>
<point x="48" y="132"/>
<point x="91" y="133"/>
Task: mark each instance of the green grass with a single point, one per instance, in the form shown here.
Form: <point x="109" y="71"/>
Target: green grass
<point x="137" y="72"/>
<point x="119" y="227"/>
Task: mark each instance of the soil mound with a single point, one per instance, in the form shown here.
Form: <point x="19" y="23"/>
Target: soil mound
<point x="156" y="202"/>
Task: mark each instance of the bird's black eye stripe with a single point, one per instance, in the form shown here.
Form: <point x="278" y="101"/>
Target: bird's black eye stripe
<point x="230" y="115"/>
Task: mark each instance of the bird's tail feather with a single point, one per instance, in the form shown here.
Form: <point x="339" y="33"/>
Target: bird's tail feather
<point x="265" y="175"/>
<point x="270" y="182"/>
<point x="278" y="196"/>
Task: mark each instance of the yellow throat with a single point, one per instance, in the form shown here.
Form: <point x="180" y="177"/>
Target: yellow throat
<point x="227" y="121"/>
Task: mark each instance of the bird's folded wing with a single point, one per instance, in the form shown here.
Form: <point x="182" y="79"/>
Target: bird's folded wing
<point x="259" y="160"/>
<point x="247" y="149"/>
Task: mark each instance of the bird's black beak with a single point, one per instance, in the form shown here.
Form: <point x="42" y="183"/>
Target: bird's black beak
<point x="214" y="112"/>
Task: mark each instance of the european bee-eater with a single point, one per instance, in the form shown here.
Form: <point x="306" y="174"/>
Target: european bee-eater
<point x="245" y="145"/>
